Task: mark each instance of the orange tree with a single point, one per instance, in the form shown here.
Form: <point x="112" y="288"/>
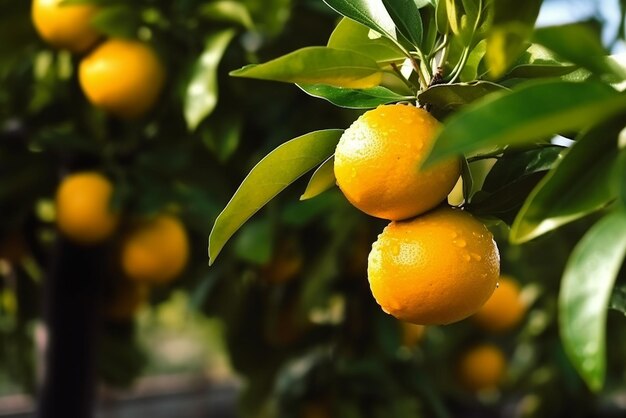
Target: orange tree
<point x="121" y="136"/>
<point x="538" y="122"/>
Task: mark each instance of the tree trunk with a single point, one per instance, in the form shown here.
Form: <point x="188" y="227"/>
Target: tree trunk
<point x="71" y="314"/>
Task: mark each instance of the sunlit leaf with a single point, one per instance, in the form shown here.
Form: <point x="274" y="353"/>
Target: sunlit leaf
<point x="537" y="61"/>
<point x="441" y="17"/>
<point x="584" y="296"/>
<point x="228" y="10"/>
<point x="371" y="13"/>
<point x="407" y="18"/>
<point x="534" y="111"/>
<point x="322" y="179"/>
<point x="512" y="25"/>
<point x="269" y="177"/>
<point x="313" y="65"/>
<point x="579" y="185"/>
<point x="586" y="52"/>
<point x="201" y="92"/>
<point x="470" y="69"/>
<point x="354" y="36"/>
<point x="354" y="99"/>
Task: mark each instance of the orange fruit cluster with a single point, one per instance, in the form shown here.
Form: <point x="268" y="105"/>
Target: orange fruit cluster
<point x="432" y="264"/>
<point x="152" y="252"/>
<point x="122" y="77"/>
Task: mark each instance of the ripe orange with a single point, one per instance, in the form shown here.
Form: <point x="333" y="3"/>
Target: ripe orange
<point x="64" y="26"/>
<point x="377" y="163"/>
<point x="482" y="367"/>
<point x="156" y="252"/>
<point x="83" y="208"/>
<point x="438" y="268"/>
<point x="122" y="77"/>
<point x="504" y="309"/>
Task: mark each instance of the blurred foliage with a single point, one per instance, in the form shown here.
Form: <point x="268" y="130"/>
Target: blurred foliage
<point x="313" y="343"/>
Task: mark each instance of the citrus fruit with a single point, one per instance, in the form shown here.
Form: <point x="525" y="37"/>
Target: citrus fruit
<point x="156" y="251"/>
<point x="378" y="158"/>
<point x="65" y="26"/>
<point x="83" y="208"/>
<point x="123" y="77"/>
<point x="504" y="309"/>
<point x="482" y="367"/>
<point x="438" y="268"/>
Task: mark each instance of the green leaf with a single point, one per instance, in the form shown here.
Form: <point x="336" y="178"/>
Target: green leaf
<point x="229" y="11"/>
<point x="269" y="177"/>
<point x="441" y="17"/>
<point x="584" y="296"/>
<point x="120" y="21"/>
<point x="313" y="65"/>
<point x="511" y="180"/>
<point x="429" y="22"/>
<point x="356" y="37"/>
<point x="322" y="179"/>
<point x="512" y="25"/>
<point x="407" y="18"/>
<point x="254" y="242"/>
<point x="354" y="99"/>
<point x="537" y="61"/>
<point x="463" y="17"/>
<point x="470" y="69"/>
<point x="586" y="52"/>
<point x="534" y="111"/>
<point x="514" y="164"/>
<point x="579" y="185"/>
<point x="222" y="134"/>
<point x="445" y="98"/>
<point x="371" y="13"/>
<point x="201" y="92"/>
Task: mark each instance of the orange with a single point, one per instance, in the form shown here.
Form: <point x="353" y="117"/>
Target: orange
<point x="123" y="77"/>
<point x="156" y="251"/>
<point x="438" y="268"/>
<point x="378" y="158"/>
<point x="482" y="367"/>
<point x="64" y="26"/>
<point x="504" y="309"/>
<point x="83" y="208"/>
